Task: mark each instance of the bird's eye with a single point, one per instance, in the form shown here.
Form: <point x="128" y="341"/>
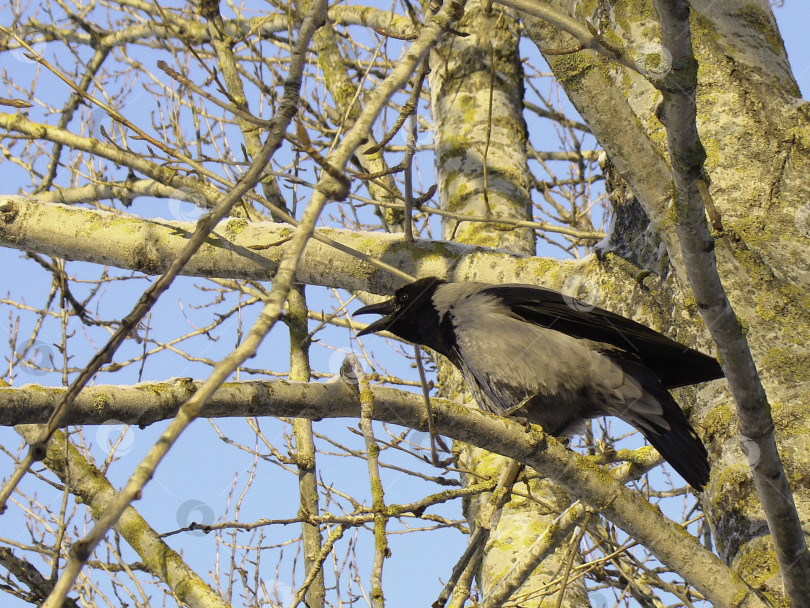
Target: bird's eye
<point x="404" y="297"/>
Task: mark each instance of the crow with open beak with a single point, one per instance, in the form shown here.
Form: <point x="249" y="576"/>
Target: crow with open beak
<point x="525" y="349"/>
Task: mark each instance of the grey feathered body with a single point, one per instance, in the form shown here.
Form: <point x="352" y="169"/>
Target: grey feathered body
<point x="563" y="379"/>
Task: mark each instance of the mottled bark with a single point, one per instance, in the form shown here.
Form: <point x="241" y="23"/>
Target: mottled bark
<point x="753" y="128"/>
<point x="476" y="85"/>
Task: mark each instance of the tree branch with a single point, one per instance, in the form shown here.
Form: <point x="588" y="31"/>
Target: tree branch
<point x="239" y="249"/>
<point x="584" y="35"/>
<point x="579" y="475"/>
<point x="89" y="484"/>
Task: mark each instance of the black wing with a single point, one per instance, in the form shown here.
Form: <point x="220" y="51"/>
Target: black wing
<point x="673" y="363"/>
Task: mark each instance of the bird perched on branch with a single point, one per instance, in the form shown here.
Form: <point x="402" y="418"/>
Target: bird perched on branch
<point x="526" y="349"/>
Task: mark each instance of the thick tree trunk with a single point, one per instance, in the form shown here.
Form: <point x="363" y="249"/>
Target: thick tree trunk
<point x="476" y="85"/>
<point x="754" y="128"/>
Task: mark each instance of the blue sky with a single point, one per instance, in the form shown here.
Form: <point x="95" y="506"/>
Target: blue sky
<point x="194" y="483"/>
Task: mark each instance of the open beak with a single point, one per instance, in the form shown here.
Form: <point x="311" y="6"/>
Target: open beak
<point x="387" y="308"/>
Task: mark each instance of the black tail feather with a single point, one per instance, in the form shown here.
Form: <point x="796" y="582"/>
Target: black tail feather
<point x="679" y="444"/>
<point x="682" y="449"/>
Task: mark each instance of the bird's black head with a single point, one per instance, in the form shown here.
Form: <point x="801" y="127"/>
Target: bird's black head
<point x="409" y="315"/>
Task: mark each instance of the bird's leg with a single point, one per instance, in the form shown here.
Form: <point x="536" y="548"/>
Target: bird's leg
<point x="524" y="420"/>
<point x="509" y="411"/>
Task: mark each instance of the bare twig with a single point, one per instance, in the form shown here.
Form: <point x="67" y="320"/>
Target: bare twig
<point x="84" y="548"/>
<point x="484" y="520"/>
<point x="584" y="34"/>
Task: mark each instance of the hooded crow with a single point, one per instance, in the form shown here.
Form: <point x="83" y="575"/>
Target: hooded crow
<point x="522" y="348"/>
